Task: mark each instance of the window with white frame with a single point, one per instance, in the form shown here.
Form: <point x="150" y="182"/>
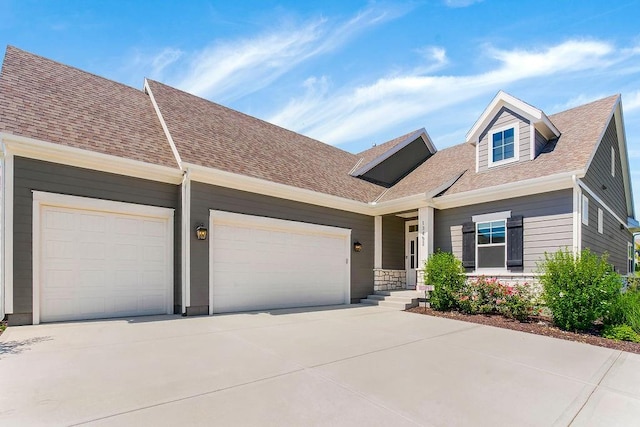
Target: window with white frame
<point x="503" y="145"/>
<point x="491" y="244"/>
<point x="585" y="210"/>
<point x="630" y="257"/>
<point x="600" y="221"/>
<point x="613" y="162"/>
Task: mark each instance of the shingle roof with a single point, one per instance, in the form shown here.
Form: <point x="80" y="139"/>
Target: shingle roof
<point x="210" y="135"/>
<point x="49" y="101"/>
<point x="580" y="128"/>
<point x="445" y="165"/>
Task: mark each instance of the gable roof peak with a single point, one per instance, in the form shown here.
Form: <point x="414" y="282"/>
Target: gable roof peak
<point x="502" y="99"/>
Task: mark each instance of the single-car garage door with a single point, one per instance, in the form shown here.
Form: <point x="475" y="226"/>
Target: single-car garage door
<point x="97" y="259"/>
<point x="264" y="263"/>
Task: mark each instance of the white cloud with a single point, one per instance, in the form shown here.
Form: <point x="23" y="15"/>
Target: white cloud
<point x="436" y="57"/>
<point x="631" y="101"/>
<point x="356" y="113"/>
<point x="228" y="70"/>
<point x="581" y="99"/>
<point x="164" y="59"/>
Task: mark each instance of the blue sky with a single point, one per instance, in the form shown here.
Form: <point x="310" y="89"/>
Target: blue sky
<point x="353" y="73"/>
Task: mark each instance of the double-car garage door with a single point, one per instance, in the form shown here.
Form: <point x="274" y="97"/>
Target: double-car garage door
<point x="97" y="259"/>
<point x="261" y="263"/>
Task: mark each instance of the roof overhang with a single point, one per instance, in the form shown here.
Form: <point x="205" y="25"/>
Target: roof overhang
<point x="536" y="116"/>
<point x="510" y="190"/>
<point x="420" y="133"/>
<point x="56" y="153"/>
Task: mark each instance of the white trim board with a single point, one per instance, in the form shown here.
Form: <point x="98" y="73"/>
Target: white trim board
<point x="62" y="154"/>
<point x="41" y="199"/>
<point x="7" y="232"/>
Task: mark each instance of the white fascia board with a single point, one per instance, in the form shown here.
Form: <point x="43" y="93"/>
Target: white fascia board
<point x="62" y="154"/>
<point x="268" y="188"/>
<point x="503" y="99"/>
<point x="624" y="158"/>
<point x="506" y="191"/>
<point x="421" y="133"/>
<point x="399" y="205"/>
<point x="174" y="149"/>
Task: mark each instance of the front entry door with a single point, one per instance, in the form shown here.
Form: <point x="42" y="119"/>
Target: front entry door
<point x="411" y="252"/>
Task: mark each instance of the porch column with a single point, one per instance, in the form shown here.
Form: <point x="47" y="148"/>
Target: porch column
<point x="425" y="225"/>
<point x="377" y="244"/>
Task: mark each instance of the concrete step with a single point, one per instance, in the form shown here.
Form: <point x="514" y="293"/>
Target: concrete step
<point x="401" y="299"/>
<point x="399" y="305"/>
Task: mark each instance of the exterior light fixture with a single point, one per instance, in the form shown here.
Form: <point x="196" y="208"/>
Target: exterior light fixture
<point x="357" y="246"/>
<point x="201" y="232"/>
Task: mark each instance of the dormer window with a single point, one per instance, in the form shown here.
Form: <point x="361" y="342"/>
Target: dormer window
<point x="504" y="146"/>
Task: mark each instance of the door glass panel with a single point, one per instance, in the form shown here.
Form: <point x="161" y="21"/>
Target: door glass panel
<point x="412" y="254"/>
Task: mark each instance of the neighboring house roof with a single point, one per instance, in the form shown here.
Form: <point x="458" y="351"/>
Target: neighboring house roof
<point x="48" y="101"/>
<point x="213" y="136"/>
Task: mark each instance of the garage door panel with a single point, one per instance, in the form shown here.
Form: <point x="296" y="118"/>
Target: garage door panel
<point x="260" y="263"/>
<point x="107" y="264"/>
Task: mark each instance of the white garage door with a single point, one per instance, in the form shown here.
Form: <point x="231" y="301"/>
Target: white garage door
<point x="263" y="263"/>
<point x="97" y="259"/>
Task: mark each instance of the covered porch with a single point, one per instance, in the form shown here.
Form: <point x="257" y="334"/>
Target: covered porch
<point x="403" y="242"/>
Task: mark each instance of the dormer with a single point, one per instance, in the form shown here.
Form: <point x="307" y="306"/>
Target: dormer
<point x="387" y="163"/>
<point x="508" y="131"/>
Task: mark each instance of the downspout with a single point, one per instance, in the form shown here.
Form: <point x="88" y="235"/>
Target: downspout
<point x="185" y="239"/>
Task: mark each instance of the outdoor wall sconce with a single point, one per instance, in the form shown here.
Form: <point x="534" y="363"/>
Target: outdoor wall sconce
<point x="201" y="232"/>
<point x="357" y="246"/>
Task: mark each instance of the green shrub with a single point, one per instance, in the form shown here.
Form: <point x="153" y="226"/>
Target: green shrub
<point x="578" y="290"/>
<point x="625" y="310"/>
<point x="446" y="275"/>
<point x="621" y="333"/>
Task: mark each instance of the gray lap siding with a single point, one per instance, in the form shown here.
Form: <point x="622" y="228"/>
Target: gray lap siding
<point x="612" y="240"/>
<point x="38" y="175"/>
<point x="547" y="224"/>
<point x="205" y="197"/>
<point x="610" y="189"/>
<point x="393" y="235"/>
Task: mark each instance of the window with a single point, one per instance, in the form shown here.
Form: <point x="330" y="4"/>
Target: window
<point x="599" y="220"/>
<point x="491" y="244"/>
<point x="503" y="145"/>
<point x="613" y="162"/>
<point x="630" y="257"/>
<point x="585" y="210"/>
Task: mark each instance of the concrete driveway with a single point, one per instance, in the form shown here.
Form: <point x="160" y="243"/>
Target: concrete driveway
<point x="357" y="365"/>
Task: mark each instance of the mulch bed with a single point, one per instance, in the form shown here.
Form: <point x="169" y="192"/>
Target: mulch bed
<point x="538" y="325"/>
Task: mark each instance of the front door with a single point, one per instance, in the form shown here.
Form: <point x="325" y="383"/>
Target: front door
<point x="411" y="252"/>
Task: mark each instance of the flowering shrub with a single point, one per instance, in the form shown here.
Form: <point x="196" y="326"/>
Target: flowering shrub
<point x="486" y="296"/>
<point x="578" y="290"/>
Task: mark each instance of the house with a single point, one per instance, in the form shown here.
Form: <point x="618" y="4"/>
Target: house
<point x="120" y="202"/>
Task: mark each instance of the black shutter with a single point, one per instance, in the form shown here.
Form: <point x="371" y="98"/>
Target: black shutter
<point x="469" y="245"/>
<point x="515" y="244"/>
